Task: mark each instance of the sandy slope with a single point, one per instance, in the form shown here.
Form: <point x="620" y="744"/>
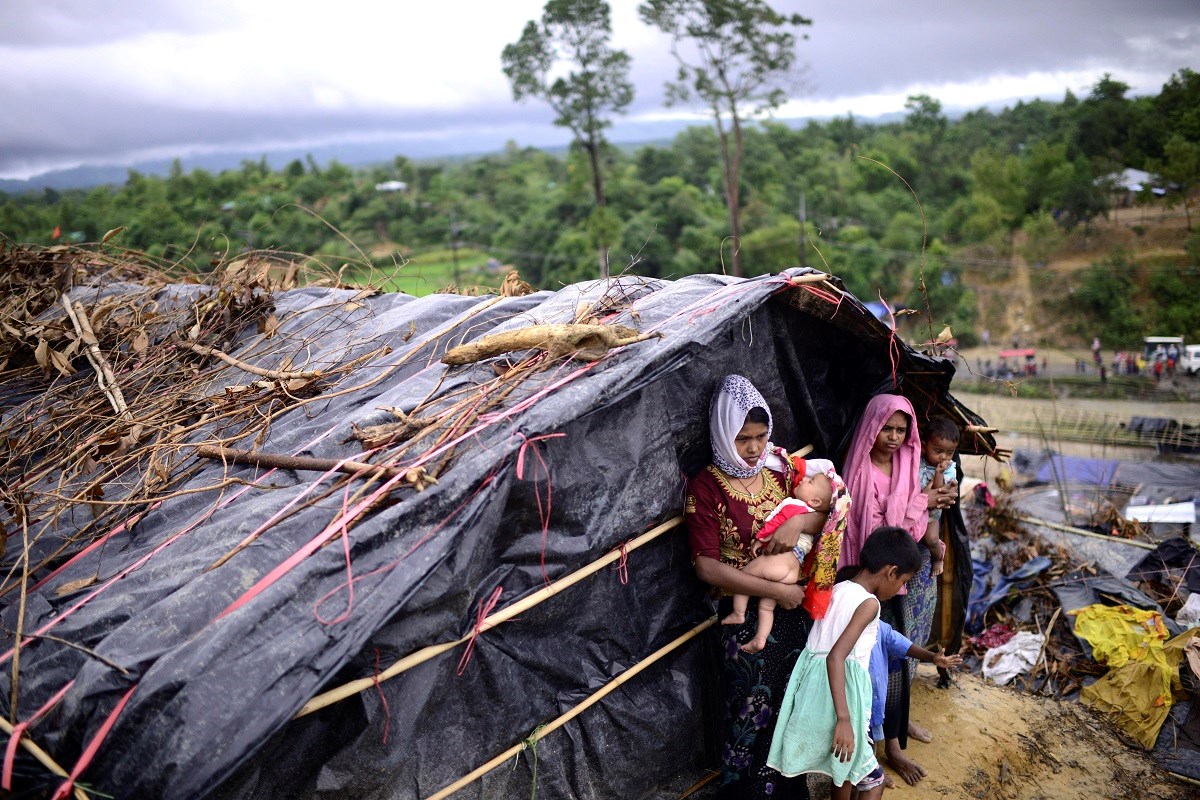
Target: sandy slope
<point x="992" y="742"/>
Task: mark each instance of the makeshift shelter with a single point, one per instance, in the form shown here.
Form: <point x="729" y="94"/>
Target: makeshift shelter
<point x="510" y="586"/>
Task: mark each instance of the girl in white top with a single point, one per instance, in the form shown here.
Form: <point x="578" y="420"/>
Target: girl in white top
<point x="824" y="720"/>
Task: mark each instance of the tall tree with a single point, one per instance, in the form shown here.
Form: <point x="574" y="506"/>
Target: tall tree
<point x="575" y="32"/>
<point x="1181" y="167"/>
<point x="736" y="57"/>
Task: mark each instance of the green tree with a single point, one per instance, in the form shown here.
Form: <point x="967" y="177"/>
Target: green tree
<point x="1042" y="238"/>
<point x="577" y="32"/>
<point x="738" y="58"/>
<point x="1180" y="166"/>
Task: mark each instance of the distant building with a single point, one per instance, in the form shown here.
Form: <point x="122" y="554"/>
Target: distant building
<point x="1127" y="184"/>
<point x="391" y="186"/>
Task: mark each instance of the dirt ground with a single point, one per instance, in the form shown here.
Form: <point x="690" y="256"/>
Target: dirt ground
<point x="992" y="742"/>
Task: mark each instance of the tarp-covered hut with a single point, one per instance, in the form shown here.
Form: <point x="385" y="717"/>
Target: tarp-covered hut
<point x="192" y="626"/>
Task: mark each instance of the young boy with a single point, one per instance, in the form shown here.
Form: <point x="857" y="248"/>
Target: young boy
<point x="939" y="441"/>
<point x="813" y="494"/>
<point x="892" y="646"/>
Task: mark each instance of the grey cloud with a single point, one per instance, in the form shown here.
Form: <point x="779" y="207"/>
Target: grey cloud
<point x="85" y="128"/>
<point x="58" y="23"/>
<point x="854" y="47"/>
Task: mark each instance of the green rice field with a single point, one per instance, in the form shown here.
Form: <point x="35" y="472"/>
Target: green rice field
<point x="428" y="272"/>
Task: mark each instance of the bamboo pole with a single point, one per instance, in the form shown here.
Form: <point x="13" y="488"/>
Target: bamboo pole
<point x="1081" y="532"/>
<point x="42" y="756"/>
<point x="543" y="731"/>
<point x="354" y="687"/>
<point x="816" y="277"/>
<point x="424" y="654"/>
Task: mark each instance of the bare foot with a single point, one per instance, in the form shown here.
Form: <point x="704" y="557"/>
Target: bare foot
<point x="919" y="733"/>
<point x="888" y="783"/>
<point x="755" y="645"/>
<point x="734" y="618"/>
<point x="909" y="770"/>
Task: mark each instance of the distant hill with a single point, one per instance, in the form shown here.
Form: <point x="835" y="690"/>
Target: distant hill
<point x="629" y="136"/>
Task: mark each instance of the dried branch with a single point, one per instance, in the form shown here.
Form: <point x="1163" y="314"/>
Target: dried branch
<point x="104" y="372"/>
<point x="273" y="374"/>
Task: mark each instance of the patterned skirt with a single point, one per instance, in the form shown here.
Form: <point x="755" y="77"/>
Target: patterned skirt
<point x="754" y="687"/>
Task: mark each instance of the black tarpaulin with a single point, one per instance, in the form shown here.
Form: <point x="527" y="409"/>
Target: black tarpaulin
<point x="212" y="664"/>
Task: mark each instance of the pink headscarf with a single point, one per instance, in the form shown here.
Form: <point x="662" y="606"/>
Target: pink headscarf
<point x="907" y="506"/>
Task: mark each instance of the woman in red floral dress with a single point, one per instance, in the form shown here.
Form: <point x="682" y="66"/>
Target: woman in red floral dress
<point x="727" y="503"/>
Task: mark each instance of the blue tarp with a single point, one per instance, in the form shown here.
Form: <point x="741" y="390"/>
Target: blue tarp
<point x="1071" y="469"/>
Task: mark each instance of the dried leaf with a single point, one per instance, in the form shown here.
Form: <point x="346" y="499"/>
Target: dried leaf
<point x="268" y="326"/>
<point x="352" y="306"/>
<point x="61" y="362"/>
<point x="75" y="586"/>
<point x="92" y="493"/>
<point x="289" y="277"/>
<point x="296" y="384"/>
<point x="10" y="330"/>
<point x="194" y="331"/>
<point x="112" y="233"/>
<point x="41" y="354"/>
<point x="140" y="342"/>
<point x="108" y="445"/>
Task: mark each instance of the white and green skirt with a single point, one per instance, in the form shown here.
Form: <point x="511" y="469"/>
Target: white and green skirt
<point x="804" y="731"/>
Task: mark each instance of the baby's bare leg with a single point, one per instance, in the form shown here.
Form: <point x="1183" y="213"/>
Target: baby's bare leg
<point x="738" y="615"/>
<point x="782" y="568"/>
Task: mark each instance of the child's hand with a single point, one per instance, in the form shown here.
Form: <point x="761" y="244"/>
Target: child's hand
<point x="843" y="741"/>
<point x="948" y="662"/>
<point x="944" y="465"/>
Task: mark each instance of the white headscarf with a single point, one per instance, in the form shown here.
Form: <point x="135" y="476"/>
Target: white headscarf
<point x="726" y="415"/>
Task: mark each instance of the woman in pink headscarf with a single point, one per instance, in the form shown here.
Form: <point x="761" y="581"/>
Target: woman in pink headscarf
<point x="882" y="475"/>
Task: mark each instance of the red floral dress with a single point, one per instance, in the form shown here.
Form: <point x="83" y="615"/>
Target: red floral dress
<point x="722" y="520"/>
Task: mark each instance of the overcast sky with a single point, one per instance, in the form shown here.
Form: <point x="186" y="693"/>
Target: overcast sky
<point x="116" y="81"/>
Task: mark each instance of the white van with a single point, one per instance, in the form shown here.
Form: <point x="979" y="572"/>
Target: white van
<point x="1189" y="359"/>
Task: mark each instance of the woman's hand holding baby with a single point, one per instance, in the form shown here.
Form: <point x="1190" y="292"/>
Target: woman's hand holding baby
<point x="943" y="497"/>
<point x="789" y="595"/>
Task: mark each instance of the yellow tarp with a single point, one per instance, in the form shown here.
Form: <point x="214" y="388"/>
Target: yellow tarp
<point x="1138" y="691"/>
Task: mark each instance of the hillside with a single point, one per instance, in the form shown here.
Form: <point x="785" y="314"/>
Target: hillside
<point x="1144" y="244"/>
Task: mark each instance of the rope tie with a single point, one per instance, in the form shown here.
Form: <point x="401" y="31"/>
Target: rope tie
<point x="530" y="743"/>
<point x="826" y="296"/>
<point x="543" y="510"/>
<point x="622" y="566"/>
<point x="481" y="614"/>
<point x="349" y="584"/>
<point x="893" y="347"/>
<point x="387" y="712"/>
<point x="93" y="747"/>
<point x="10" y="752"/>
